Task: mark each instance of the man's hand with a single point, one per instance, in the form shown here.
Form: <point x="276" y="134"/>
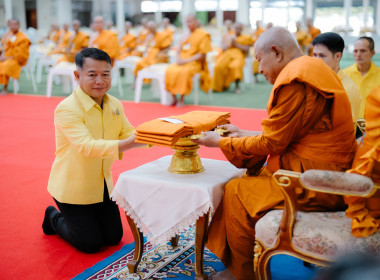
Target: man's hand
<point x="210" y="139"/>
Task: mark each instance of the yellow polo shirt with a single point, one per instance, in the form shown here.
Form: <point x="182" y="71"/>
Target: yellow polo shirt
<point x="364" y="83"/>
<point x="352" y="93"/>
<point x="87" y="139"/>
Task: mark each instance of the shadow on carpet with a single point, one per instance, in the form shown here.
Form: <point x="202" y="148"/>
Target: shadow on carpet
<point x="164" y="261"/>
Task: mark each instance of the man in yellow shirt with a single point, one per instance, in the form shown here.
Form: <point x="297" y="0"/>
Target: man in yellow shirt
<point x="364" y="73"/>
<point x="329" y="47"/>
<point x="91" y="131"/>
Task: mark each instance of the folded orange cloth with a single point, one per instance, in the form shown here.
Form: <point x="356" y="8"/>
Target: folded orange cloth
<point x="166" y="133"/>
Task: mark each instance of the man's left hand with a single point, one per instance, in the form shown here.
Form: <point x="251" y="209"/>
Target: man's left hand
<point x="210" y="139"/>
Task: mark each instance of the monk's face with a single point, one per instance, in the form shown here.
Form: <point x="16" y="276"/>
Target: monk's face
<point x="94" y="78"/>
<point x="332" y="60"/>
<point x="269" y="64"/>
<point x="191" y="23"/>
<point x="98" y="24"/>
<point x="76" y="26"/>
<point x="362" y="53"/>
<point x="14" y="26"/>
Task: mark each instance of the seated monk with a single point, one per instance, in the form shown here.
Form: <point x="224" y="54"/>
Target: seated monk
<point x="64" y="40"/>
<point x="191" y="59"/>
<point x="142" y="39"/>
<point x="128" y="42"/>
<point x="15" y="55"/>
<point x="158" y="49"/>
<point x="4" y="39"/>
<point x="54" y="34"/>
<point x="105" y="40"/>
<point x="229" y="66"/>
<point x="309" y="126"/>
<point x="365" y="212"/>
<point x="77" y="42"/>
<point x="166" y="27"/>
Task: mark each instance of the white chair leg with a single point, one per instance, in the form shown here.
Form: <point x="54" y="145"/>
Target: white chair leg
<point x="33" y="80"/>
<point x="164" y="93"/>
<point x="196" y="88"/>
<point x="39" y="71"/>
<point x="138" y="86"/>
<point x="15" y="86"/>
<point x="49" y="84"/>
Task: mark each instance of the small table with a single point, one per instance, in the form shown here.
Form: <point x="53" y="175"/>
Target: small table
<point x="160" y="204"/>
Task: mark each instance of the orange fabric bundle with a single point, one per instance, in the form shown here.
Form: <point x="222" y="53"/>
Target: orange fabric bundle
<point x="165" y="133"/>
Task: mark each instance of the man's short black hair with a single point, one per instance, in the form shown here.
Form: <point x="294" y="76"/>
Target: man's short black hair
<point x="333" y="41"/>
<point x="91" y="53"/>
<point x="371" y="43"/>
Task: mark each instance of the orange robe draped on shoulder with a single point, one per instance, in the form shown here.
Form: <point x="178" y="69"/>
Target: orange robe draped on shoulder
<point x="229" y="66"/>
<point x="107" y="41"/>
<point x="17" y="47"/>
<point x="178" y="78"/>
<point x="129" y="44"/>
<point x="161" y="41"/>
<point x="76" y="44"/>
<point x="309" y="125"/>
<point x="365" y="212"/>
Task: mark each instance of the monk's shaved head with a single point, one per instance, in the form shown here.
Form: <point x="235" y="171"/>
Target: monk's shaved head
<point x="277" y="36"/>
<point x="275" y="48"/>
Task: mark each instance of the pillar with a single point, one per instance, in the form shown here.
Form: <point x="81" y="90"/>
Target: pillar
<point x="219" y="16"/>
<point x="347" y="9"/>
<point x="309" y="9"/>
<point x="64" y="12"/>
<point x="43" y="16"/>
<point x="188" y="8"/>
<point x="365" y="12"/>
<point x="8" y="10"/>
<point x="242" y="14"/>
<point x="263" y="6"/>
<point x="158" y="14"/>
<point x="377" y="23"/>
<point x="120" y="16"/>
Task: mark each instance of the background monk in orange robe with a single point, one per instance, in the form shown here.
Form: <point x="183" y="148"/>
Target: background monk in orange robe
<point x="191" y="59"/>
<point x="229" y="66"/>
<point x="15" y="55"/>
<point x="64" y="40"/>
<point x="142" y="39"/>
<point x="106" y="40"/>
<point x="77" y="42"/>
<point x="128" y="42"/>
<point x="365" y="212"/>
<point x="309" y="126"/>
<point x="313" y="32"/>
<point x="159" y="47"/>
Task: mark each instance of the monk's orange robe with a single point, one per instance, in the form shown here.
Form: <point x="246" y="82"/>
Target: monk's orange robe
<point x="56" y="36"/>
<point x="129" y="44"/>
<point x="178" y="78"/>
<point x="77" y="42"/>
<point x="107" y="41"/>
<point x="16" y="47"/>
<point x="313" y="32"/>
<point x="309" y="126"/>
<point x="4" y="41"/>
<point x="161" y="41"/>
<point x="365" y="212"/>
<point x="141" y="42"/>
<point x="229" y="66"/>
<point x="302" y="39"/>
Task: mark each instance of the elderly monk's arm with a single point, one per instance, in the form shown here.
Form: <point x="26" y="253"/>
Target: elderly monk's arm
<point x="196" y="57"/>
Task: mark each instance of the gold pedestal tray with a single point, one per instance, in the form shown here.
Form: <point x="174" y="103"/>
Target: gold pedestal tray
<point x="185" y="160"/>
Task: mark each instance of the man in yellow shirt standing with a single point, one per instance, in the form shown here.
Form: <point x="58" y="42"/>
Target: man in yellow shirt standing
<point x="329" y="47"/>
<point x="364" y="73"/>
<point x="91" y="131"/>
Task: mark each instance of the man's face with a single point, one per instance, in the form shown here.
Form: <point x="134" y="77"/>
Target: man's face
<point x="322" y="52"/>
<point x="268" y="65"/>
<point x="94" y="78"/>
<point x="362" y="53"/>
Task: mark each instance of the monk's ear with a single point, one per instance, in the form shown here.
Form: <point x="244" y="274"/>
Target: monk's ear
<point x="278" y="53"/>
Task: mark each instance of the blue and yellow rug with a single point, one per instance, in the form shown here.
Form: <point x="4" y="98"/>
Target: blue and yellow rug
<point x="164" y="261"/>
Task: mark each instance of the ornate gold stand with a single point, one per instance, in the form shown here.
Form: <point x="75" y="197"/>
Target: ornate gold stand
<point x="185" y="160"/>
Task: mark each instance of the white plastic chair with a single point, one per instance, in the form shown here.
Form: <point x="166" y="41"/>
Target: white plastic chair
<point x="63" y="69"/>
<point x="157" y="72"/>
<point x="129" y="64"/>
<point x="29" y="75"/>
<point x="47" y="62"/>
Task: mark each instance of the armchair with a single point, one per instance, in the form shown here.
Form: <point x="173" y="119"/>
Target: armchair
<point x="314" y="237"/>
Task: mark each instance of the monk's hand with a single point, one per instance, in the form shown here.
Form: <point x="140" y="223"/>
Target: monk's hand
<point x="232" y="130"/>
<point x="209" y="139"/>
<point x="180" y="61"/>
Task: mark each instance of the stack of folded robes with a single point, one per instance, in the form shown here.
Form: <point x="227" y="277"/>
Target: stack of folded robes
<point x="167" y="131"/>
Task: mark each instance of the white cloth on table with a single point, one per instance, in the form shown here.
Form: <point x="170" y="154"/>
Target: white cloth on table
<point x="162" y="203"/>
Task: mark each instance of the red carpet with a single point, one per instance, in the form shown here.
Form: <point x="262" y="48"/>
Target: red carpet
<point x="26" y="153"/>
